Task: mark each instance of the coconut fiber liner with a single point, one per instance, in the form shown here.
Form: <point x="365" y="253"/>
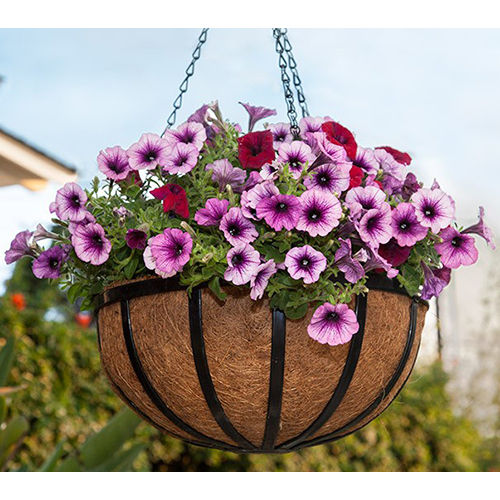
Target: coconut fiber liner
<point x="241" y="377"/>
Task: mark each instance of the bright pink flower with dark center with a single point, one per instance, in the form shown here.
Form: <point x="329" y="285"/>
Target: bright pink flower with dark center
<point x="305" y="263"/>
<point x="281" y="134"/>
<point x="70" y="202"/>
<point x="181" y="159"/>
<point x="256" y="149"/>
<point x="457" y="249"/>
<point x="213" y="212"/>
<point x="365" y="159"/>
<point x="280" y="211"/>
<point x="90" y="244"/>
<point x="113" y="163"/>
<point x="405" y="227"/>
<point x="236" y="228"/>
<point x="260" y="279"/>
<point x="48" y="264"/>
<point x="337" y="134"/>
<point x="333" y="324"/>
<point x="243" y="261"/>
<point x="374" y="228"/>
<point x="400" y="157"/>
<point x="361" y="199"/>
<point x="320" y="212"/>
<point x="297" y="155"/>
<point x="174" y="199"/>
<point x="150" y="151"/>
<point x="310" y="125"/>
<point x="433" y="208"/>
<point x="190" y="133"/>
<point x="330" y="178"/>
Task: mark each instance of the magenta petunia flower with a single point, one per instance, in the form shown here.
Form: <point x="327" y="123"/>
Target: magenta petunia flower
<point x="168" y="252"/>
<point x="49" y="262"/>
<point x="330" y="177"/>
<point x="150" y="151"/>
<point x="90" y="244"/>
<point x="389" y="165"/>
<point x="260" y="279"/>
<point x="297" y="155"/>
<point x="365" y="159"/>
<point x="213" y="212"/>
<point x="253" y="179"/>
<point x="351" y="267"/>
<point x="482" y="230"/>
<point x="305" y="263"/>
<point x="70" y="202"/>
<point x="326" y="151"/>
<point x="190" y="133"/>
<point x="319" y="212"/>
<point x="375" y="261"/>
<point x="333" y="324"/>
<point x="435" y="280"/>
<point x="310" y="125"/>
<point x="361" y="199"/>
<point x="236" y="228"/>
<point x="256" y="113"/>
<point x="457" y="249"/>
<point x="271" y="171"/>
<point x="410" y="186"/>
<point x="223" y="173"/>
<point x="280" y="211"/>
<point x="121" y="212"/>
<point x="433" y="208"/>
<point x="405" y="227"/>
<point x="181" y="159"/>
<point x="281" y="133"/>
<point x="19" y="247"/>
<point x="374" y="227"/>
<point x="72" y="226"/>
<point x="113" y="163"/>
<point x="243" y="261"/>
<point x="136" y="239"/>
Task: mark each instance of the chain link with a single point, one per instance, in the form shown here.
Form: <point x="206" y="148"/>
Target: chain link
<point x="185" y="83"/>
<point x="285" y="79"/>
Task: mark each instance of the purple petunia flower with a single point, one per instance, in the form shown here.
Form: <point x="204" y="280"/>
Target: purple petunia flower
<point x="260" y="279"/>
<point x="213" y="212"/>
<point x="333" y="324"/>
<point x="374" y="227"/>
<point x="136" y="239"/>
<point x="305" y="262"/>
<point x="90" y="244"/>
<point x="150" y="151"/>
<point x="326" y="151"/>
<point x="256" y="113"/>
<point x="20" y="246"/>
<point x="168" y="252"/>
<point x="297" y="155"/>
<point x="236" y="228"/>
<point x="48" y="264"/>
<point x="113" y="163"/>
<point x="410" y="186"/>
<point x="253" y="179"/>
<point x="433" y="208"/>
<point x="223" y="173"/>
<point x="72" y="226"/>
<point x="243" y="261"/>
<point x="330" y="177"/>
<point x="365" y="159"/>
<point x="279" y="211"/>
<point x="70" y="202"/>
<point x="374" y="260"/>
<point x="190" y="133"/>
<point x="319" y="212"/>
<point x="310" y="124"/>
<point x="457" y="249"/>
<point x="121" y="212"/>
<point x="482" y="230"/>
<point x="43" y="234"/>
<point x="389" y="165"/>
<point x="352" y="269"/>
<point x="435" y="280"/>
<point x="405" y="227"/>
<point x="181" y="159"/>
<point x="361" y="199"/>
<point x="281" y="133"/>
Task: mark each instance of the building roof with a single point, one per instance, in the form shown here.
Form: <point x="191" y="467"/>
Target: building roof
<point x="25" y="164"/>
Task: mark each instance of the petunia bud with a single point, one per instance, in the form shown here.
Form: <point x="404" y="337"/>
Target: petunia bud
<point x="188" y="229"/>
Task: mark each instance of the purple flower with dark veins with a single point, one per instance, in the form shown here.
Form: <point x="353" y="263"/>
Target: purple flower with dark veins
<point x="482" y="230"/>
<point x="297" y="155"/>
<point x="256" y="113"/>
<point x="405" y="227"/>
<point x="375" y="261"/>
<point x="281" y="133"/>
<point x="330" y="177"/>
<point x="43" y="234"/>
<point x="305" y="263"/>
<point x="333" y="324"/>
<point x="20" y="246"/>
<point x="213" y="212"/>
<point x="389" y="165"/>
<point x="236" y="228"/>
<point x="70" y="202"/>
<point x="243" y="261"/>
<point x="190" y="133"/>
<point x="456" y="249"/>
<point x="253" y="179"/>
<point x="90" y="244"/>
<point x="280" y="211"/>
<point x="49" y="262"/>
<point x="374" y="227"/>
<point x="410" y="186"/>
<point x="435" y="280"/>
<point x="181" y="159"/>
<point x="259" y="281"/>
<point x="365" y="159"/>
<point x="433" y="208"/>
<point x="72" y="226"/>
<point x="310" y="124"/>
<point x="361" y="199"/>
<point x="150" y="151"/>
<point x="352" y="269"/>
<point x="136" y="239"/>
<point x="223" y="173"/>
<point x="251" y="198"/>
<point x="326" y="151"/>
<point x="320" y="212"/>
<point x="113" y="163"/>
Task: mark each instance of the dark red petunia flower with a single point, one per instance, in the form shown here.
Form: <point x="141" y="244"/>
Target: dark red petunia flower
<point x="256" y="149"/>
<point x="132" y="178"/>
<point x="174" y="199"/>
<point x="393" y="253"/>
<point x="356" y="177"/>
<point x="400" y="157"/>
<point x="337" y="134"/>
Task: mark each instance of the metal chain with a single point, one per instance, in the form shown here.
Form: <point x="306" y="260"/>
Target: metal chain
<point x="295" y="74"/>
<point x="285" y="79"/>
<point x="185" y="83"/>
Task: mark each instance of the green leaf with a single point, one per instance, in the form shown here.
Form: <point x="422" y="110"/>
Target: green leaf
<point x="50" y="464"/>
<point x="130" y="268"/>
<point x="296" y="312"/>
<point x="121" y="461"/>
<point x="214" y="285"/>
<point x="3" y="410"/>
<point x="6" y="359"/>
<point x="74" y="292"/>
<point x="411" y="278"/>
<point x="71" y="464"/>
<point x="10" y="436"/>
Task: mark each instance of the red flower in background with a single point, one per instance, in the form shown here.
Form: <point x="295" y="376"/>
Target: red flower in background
<point x="256" y="149"/>
<point x="356" y="177"/>
<point x="337" y="134"/>
<point x="18" y="301"/>
<point x="83" y="319"/>
<point x="400" y="157"/>
<point x="174" y="199"/>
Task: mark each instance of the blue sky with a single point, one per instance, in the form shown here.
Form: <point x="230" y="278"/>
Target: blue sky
<point x="433" y="93"/>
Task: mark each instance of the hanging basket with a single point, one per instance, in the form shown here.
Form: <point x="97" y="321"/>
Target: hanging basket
<point x="240" y="377"/>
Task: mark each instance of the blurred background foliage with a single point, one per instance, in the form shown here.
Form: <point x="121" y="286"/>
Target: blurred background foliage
<point x="66" y="399"/>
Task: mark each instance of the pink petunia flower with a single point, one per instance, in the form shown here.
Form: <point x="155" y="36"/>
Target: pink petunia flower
<point x="213" y="212"/>
<point x="374" y="227"/>
<point x="90" y="244"/>
<point x="457" y="249"/>
<point x="405" y="227"/>
<point x="113" y="163"/>
<point x="280" y="211"/>
<point x="305" y="263"/>
<point x="181" y="159"/>
<point x="319" y="212"/>
<point x="150" y="151"/>
<point x="256" y="113"/>
<point x="333" y="324"/>
<point x="260" y="279"/>
<point x="433" y="208"/>
<point x="243" y="261"/>
<point x="236" y="228"/>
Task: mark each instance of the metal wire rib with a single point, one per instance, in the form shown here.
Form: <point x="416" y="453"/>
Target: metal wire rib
<point x="148" y="386"/>
<point x="339" y="433"/>
<point x="343" y="383"/>
<point x="276" y="376"/>
<point x="203" y="371"/>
